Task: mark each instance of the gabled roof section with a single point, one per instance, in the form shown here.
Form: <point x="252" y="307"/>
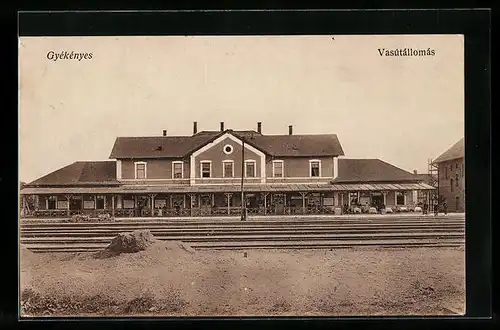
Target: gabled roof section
<point x="372" y="170"/>
<point x="314" y="145"/>
<point x="310" y="145"/>
<point x="425" y="177"/>
<point x="80" y="173"/>
<point x="455" y="151"/>
<point x="211" y="136"/>
<point x="156" y="146"/>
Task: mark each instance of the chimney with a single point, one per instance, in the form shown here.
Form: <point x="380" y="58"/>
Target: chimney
<point x="221" y="126"/>
<point x="259" y="127"/>
<point x="195" y="128"/>
<point x="414" y="171"/>
<point x="164" y="132"/>
<point x="290" y="130"/>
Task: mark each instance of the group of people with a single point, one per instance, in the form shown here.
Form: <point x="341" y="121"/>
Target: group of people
<point x="425" y="207"/>
<point x="444" y="206"/>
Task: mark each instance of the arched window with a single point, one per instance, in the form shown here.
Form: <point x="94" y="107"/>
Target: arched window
<point x="451" y="185"/>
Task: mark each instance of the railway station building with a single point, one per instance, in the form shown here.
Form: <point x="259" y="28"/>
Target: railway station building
<point x="221" y="173"/>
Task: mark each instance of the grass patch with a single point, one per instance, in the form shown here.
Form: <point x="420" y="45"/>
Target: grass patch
<point x="34" y="304"/>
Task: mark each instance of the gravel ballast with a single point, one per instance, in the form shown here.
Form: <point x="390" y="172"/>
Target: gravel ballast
<point x="169" y="278"/>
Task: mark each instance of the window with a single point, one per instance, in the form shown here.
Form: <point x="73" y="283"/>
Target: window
<point x="195" y="203"/>
<point x="160" y="203"/>
<point x="353" y="197"/>
<point x="228" y="149"/>
<point x="177" y="170"/>
<point x="250" y="169"/>
<point x="278" y="169"/>
<point x="140" y="170"/>
<point x="364" y="198"/>
<point x="227" y="169"/>
<point x="206" y="169"/>
<point x="446" y="172"/>
<point x="456" y="180"/>
<point x="88" y="202"/>
<point x="100" y="202"/>
<point x="142" y="202"/>
<point x="400" y="198"/>
<point x="128" y="203"/>
<point x="315" y="168"/>
<point x="451" y="185"/>
<point x="62" y="204"/>
<point x="51" y="202"/>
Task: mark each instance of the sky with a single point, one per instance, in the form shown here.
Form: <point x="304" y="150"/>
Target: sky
<point x="403" y="110"/>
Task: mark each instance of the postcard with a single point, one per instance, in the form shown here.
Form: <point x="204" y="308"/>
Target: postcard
<point x="285" y="175"/>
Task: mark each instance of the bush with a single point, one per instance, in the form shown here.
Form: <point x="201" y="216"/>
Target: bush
<point x="104" y="217"/>
<point x="80" y="218"/>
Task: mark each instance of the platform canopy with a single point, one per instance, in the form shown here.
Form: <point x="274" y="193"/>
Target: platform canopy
<point x="286" y="187"/>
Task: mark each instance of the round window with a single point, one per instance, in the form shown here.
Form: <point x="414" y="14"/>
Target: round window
<point x="228" y="149"/>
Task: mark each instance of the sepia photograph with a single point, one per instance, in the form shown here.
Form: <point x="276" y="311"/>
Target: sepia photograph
<point x="252" y="175"/>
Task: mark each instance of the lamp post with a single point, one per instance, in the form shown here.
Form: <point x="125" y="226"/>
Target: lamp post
<point x="243" y="204"/>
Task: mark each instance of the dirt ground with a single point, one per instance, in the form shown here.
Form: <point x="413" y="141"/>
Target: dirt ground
<point x="361" y="281"/>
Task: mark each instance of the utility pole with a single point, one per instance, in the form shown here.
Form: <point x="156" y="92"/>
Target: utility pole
<point x="243" y="204"/>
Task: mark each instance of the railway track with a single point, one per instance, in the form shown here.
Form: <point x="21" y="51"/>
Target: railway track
<point x="306" y="233"/>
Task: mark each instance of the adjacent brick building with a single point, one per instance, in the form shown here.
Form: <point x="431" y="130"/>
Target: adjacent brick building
<point x="451" y="173"/>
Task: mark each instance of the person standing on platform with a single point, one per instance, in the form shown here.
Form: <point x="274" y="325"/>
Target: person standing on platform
<point x="436" y="208"/>
<point x="445" y="208"/>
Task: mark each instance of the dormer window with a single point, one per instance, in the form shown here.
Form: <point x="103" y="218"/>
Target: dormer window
<point x="140" y="170"/>
<point x="315" y="168"/>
